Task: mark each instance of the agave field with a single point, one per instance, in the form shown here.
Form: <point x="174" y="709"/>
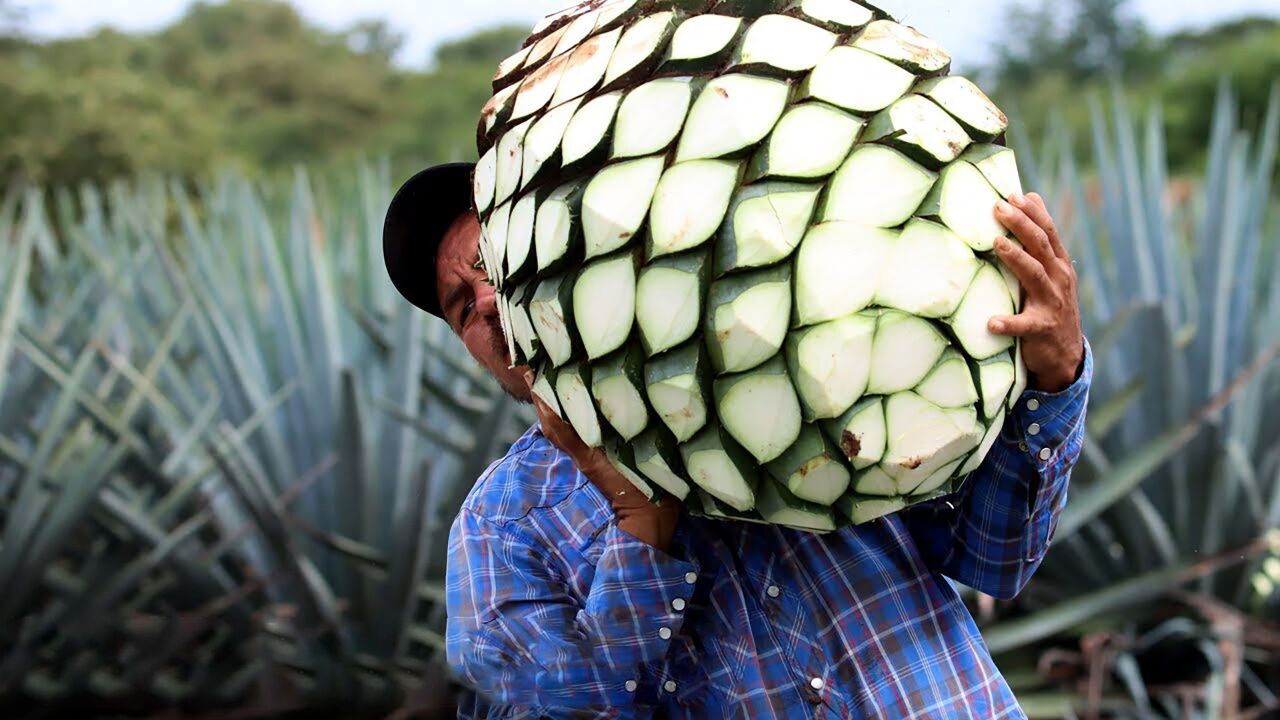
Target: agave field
<point x="230" y="454"/>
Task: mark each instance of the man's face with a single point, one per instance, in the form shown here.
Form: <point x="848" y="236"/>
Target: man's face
<point x="470" y="306"/>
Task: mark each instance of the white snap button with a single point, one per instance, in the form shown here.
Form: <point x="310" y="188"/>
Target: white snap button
<point x="1033" y="429"/>
<point x="816" y="683"/>
<point x="677" y="604"/>
<point x="664" y="633"/>
<point x="691" y="577"/>
<point x="1033" y="404"/>
<point x="669" y="686"/>
<point x="774" y="591"/>
<point x="1046" y="453"/>
<point x="631" y="685"/>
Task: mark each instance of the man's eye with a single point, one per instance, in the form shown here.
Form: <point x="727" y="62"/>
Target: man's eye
<point x="466" y="312"/>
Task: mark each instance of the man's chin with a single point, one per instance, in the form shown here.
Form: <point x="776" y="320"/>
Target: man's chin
<point x="512" y="382"/>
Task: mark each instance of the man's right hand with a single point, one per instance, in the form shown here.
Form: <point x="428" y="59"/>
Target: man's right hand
<point x="652" y="523"/>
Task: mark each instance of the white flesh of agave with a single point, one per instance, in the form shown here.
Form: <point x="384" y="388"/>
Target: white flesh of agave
<point x="668" y="306"/>
<point x="904" y="46"/>
<point x="678" y="401"/>
<point x="999" y="165"/>
<point x="651" y="117"/>
<point x="611" y="12"/>
<point x="966" y="203"/>
<point x="786" y="43"/>
<point x="760" y="410"/>
<point x="484" y="179"/>
<point x="512" y="63"/>
<point x="553" y="226"/>
<point x="861" y="433"/>
<point x="579" y="408"/>
<point x="877" y="186"/>
<point x="967" y="104"/>
<point x="879" y="83"/>
<point x="604" y="326"/>
<point x="733" y="112"/>
<point x="768" y="223"/>
<point x="996" y="376"/>
<point x="544" y="138"/>
<point x="906" y="349"/>
<point x="640" y="42"/>
<point x="547" y="313"/>
<point x="811" y="141"/>
<point x="938" y="479"/>
<point x="544" y="47"/>
<point x="544" y="391"/>
<point x="791" y="511"/>
<point x="616" y="203"/>
<point x="713" y="469"/>
<point x="510" y="161"/>
<point x="622" y="405"/>
<point x="1020" y="379"/>
<point x="837" y="270"/>
<point x="916" y="125"/>
<point x="689" y="204"/>
<point x="638" y="481"/>
<point x="499" y="224"/>
<point x="831" y="364"/>
<point x="875" y="481"/>
<point x="988" y="442"/>
<point x="522" y="327"/>
<point x="950" y="384"/>
<point x="988" y="296"/>
<point x="751" y="328"/>
<point x="589" y="127"/>
<point x="846" y="14"/>
<point x="537" y="89"/>
<point x="655" y="467"/>
<point x="703" y="36"/>
<point x="520" y="232"/>
<point x="575" y="32"/>
<point x="863" y="510"/>
<point x="927" y="272"/>
<point x="586" y="67"/>
<point x="923" y="439"/>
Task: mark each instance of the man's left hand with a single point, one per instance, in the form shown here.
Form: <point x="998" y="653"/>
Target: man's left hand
<point x="1049" y="324"/>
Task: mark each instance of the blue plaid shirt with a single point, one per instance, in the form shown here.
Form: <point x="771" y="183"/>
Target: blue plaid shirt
<point x="556" y="613"/>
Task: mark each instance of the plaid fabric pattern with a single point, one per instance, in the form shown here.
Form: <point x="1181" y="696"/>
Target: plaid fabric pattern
<point x="556" y="613"/>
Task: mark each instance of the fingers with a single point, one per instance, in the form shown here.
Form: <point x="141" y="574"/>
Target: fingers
<point x="1029" y="233"/>
<point x="1023" y="325"/>
<point x="1034" y="206"/>
<point x="1030" y="271"/>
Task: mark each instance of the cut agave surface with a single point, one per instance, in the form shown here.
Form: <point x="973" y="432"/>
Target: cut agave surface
<point x="745" y="247"/>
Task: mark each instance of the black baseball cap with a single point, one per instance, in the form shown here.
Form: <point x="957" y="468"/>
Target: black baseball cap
<point x="417" y="219"/>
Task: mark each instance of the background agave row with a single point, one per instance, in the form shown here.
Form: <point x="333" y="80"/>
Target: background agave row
<point x="229" y="454"/>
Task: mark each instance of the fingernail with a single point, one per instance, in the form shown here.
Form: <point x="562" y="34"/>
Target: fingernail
<point x="1002" y="244"/>
<point x="996" y="326"/>
<point x="528" y="377"/>
<point x="1004" y="207"/>
<point x="1017" y="198"/>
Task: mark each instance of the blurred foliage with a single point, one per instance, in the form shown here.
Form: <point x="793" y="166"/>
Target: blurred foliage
<point x="1056" y="50"/>
<point x="252" y="85"/>
<point x="246" y="83"/>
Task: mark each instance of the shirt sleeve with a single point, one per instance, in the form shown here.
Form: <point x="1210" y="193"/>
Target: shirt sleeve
<point x="522" y="640"/>
<point x="993" y="534"/>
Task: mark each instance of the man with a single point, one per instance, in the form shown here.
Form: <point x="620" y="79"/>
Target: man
<point x="569" y="595"/>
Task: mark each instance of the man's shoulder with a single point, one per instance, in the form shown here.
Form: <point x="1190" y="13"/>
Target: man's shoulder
<point x="533" y="475"/>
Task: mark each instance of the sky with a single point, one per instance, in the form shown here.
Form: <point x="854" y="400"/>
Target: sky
<point x="967" y="28"/>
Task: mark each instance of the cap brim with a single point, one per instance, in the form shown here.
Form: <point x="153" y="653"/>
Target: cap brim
<point x="419" y="216"/>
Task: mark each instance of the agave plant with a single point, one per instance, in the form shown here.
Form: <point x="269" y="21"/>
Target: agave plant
<point x="229" y="456"/>
<point x="1178" y="489"/>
